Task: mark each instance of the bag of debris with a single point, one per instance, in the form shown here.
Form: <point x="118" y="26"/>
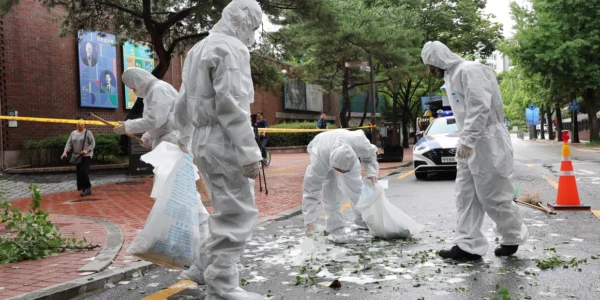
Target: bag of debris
<point x="172" y="230"/>
<point x="383" y="218"/>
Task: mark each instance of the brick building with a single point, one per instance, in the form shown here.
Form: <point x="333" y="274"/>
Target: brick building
<point x="39" y="77"/>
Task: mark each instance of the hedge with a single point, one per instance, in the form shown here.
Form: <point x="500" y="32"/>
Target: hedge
<point x="278" y="139"/>
<point x="47" y="152"/>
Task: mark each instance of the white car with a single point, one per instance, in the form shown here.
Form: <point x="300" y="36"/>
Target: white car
<point x="435" y="151"/>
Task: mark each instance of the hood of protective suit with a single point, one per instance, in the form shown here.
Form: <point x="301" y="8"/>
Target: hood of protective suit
<point x="239" y="19"/>
<point x="342" y="157"/>
<point x="139" y="80"/>
<point x="439" y="55"/>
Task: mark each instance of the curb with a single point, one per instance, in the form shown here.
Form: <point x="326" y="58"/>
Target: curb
<point x="83" y="285"/>
<point x="114" y="243"/>
<point x="65" y="169"/>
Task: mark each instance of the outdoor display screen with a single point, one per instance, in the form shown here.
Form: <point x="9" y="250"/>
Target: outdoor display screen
<point x="97" y="70"/>
<point x="136" y="55"/>
<point x="294" y="95"/>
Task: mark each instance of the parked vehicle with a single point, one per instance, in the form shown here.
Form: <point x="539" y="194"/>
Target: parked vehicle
<point x="435" y="150"/>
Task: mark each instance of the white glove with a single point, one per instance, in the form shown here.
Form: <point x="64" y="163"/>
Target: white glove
<point x="146" y="142"/>
<point x="310" y="229"/>
<point x="120" y="129"/>
<point x="182" y="146"/>
<point x="252" y="170"/>
<point x="373" y="180"/>
<point x="463" y="152"/>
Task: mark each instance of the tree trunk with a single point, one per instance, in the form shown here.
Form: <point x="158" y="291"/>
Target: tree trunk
<point x="345" y="112"/>
<point x="542" y="131"/>
<point x="163" y="66"/>
<point x="589" y="96"/>
<point x="574" y="125"/>
<point x="405" y="120"/>
<point x="364" y="116"/>
<point x="559" y="125"/>
<point x="549" y="121"/>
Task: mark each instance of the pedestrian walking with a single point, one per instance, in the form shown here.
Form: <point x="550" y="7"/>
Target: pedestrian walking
<point x="484" y="156"/>
<point x="81" y="145"/>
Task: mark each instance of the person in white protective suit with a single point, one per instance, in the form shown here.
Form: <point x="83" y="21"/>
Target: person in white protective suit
<point x="484" y="156"/>
<point x="159" y="101"/>
<point x="335" y="170"/>
<point x="213" y="107"/>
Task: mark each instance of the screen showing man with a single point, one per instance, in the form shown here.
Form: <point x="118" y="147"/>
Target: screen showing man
<point x="107" y="87"/>
<point x="89" y="59"/>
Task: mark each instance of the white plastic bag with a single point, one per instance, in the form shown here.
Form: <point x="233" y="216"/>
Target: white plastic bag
<point x="383" y="218"/>
<point x="172" y="230"/>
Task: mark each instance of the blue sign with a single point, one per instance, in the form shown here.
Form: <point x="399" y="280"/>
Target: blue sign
<point x="574" y="105"/>
<point x="426" y="99"/>
<point x="532" y="115"/>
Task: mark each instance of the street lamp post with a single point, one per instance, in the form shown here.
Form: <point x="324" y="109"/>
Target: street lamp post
<point x="373" y="95"/>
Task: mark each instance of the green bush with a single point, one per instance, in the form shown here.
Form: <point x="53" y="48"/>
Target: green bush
<point x="48" y="151"/>
<point x="285" y="139"/>
<point x="107" y="146"/>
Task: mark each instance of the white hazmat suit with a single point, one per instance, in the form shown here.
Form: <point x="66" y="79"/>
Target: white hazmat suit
<point x="159" y="102"/>
<point x="484" y="175"/>
<point x="339" y="149"/>
<point x="213" y="107"/>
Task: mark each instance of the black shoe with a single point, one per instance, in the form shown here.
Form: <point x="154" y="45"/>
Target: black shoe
<point x="458" y="254"/>
<point x="505" y="250"/>
<point x="86" y="192"/>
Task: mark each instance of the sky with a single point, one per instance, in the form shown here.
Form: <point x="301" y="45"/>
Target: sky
<point x="500" y="9"/>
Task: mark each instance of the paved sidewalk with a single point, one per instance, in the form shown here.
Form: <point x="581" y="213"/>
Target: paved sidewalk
<point x="127" y="204"/>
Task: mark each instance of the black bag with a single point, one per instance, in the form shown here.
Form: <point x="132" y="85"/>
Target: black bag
<point x="76" y="157"/>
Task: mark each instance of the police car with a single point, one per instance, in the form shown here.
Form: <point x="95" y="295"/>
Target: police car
<point x="435" y="150"/>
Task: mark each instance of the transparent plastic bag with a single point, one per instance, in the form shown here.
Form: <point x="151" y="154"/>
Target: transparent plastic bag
<point x="173" y="229"/>
<point x="383" y="218"/>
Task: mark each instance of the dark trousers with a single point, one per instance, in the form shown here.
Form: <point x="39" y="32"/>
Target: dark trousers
<point x="83" y="174"/>
<point x="263" y="146"/>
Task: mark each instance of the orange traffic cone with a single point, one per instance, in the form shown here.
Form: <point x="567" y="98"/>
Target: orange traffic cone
<point x="568" y="195"/>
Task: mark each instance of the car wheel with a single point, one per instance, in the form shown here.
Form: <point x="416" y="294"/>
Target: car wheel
<point x="421" y="175"/>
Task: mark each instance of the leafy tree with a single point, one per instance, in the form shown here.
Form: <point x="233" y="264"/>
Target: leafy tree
<point x="354" y="31"/>
<point x="560" y="40"/>
<point x="461" y="25"/>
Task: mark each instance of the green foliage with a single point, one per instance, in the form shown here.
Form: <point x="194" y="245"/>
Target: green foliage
<point x="558" y="42"/>
<point x="502" y="293"/>
<point x="32" y="235"/>
<point x="292" y="139"/>
<point x="48" y="151"/>
<point x="556" y="261"/>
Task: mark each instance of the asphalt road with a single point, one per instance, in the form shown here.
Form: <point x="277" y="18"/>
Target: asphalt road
<point x="410" y="269"/>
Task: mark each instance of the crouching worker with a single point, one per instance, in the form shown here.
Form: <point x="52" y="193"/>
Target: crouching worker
<point x="335" y="170"/>
<point x="157" y="122"/>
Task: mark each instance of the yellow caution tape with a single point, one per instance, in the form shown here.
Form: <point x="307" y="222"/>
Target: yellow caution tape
<point x="58" y="121"/>
<point x="286" y="130"/>
<point x="94" y="122"/>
